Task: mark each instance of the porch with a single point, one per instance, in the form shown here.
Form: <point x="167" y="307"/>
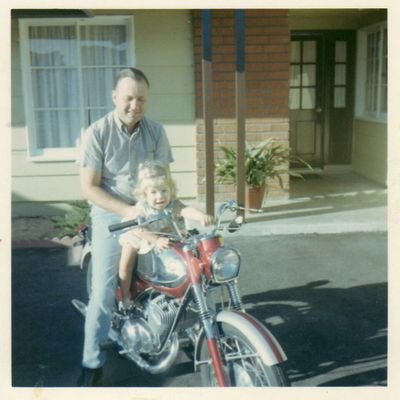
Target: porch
<point x="332" y="201"/>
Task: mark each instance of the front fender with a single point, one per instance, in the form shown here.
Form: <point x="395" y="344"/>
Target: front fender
<point x="263" y="340"/>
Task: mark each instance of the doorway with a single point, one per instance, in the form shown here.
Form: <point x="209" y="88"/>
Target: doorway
<point x="321" y="96"/>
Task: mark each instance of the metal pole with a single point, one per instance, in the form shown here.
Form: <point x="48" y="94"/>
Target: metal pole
<point x="206" y="64"/>
<point x="240" y="106"/>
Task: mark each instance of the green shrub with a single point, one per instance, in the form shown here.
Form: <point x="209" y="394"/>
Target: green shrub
<point x="262" y="162"/>
<point x="76" y="216"/>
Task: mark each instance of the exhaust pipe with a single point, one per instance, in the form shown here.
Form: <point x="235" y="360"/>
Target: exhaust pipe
<point x="164" y="362"/>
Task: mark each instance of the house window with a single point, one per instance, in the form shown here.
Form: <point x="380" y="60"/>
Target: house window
<point x="303" y="75"/>
<point x="340" y="78"/>
<point x="68" y="66"/>
<point x="372" y="86"/>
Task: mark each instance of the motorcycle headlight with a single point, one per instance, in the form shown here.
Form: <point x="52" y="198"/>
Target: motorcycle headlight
<point x="225" y="264"/>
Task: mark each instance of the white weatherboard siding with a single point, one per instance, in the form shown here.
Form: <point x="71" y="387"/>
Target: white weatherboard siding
<point x="370" y="150"/>
<point x="164" y="50"/>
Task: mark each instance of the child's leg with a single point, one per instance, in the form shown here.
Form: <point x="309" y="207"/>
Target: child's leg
<point x="126" y="264"/>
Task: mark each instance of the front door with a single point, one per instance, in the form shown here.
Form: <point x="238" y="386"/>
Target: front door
<point x="321" y="96"/>
<point x="339" y="61"/>
<point x="305" y="98"/>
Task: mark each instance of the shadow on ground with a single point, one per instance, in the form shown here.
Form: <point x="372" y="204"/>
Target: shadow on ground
<point x="332" y="336"/>
<point x="329" y="333"/>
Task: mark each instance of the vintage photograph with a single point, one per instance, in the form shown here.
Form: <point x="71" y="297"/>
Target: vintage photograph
<point x="200" y="198"/>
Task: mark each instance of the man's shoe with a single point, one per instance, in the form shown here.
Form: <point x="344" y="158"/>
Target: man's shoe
<point x="89" y="377"/>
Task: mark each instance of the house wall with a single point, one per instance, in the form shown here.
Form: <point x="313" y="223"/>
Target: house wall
<point x="313" y="19"/>
<point x="267" y="49"/>
<point x="165" y="53"/>
<point x="370" y="150"/>
<point x="370" y="138"/>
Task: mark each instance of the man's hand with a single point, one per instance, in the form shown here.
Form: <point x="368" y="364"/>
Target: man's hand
<point x="92" y="190"/>
<point x="131" y="212"/>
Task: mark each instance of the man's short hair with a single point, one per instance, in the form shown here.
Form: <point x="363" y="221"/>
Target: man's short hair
<point x="133" y="73"/>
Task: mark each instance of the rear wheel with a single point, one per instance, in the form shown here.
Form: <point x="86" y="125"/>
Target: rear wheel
<point x="243" y="366"/>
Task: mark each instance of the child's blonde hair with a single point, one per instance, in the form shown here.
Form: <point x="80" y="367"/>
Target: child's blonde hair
<point x="153" y="173"/>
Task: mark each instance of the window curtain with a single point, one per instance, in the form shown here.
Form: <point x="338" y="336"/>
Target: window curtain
<point x="376" y="79"/>
<point x="72" y="73"/>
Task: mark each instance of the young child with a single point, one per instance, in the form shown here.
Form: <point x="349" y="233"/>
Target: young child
<point x="156" y="192"/>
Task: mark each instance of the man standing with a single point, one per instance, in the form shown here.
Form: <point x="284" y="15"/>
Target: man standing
<point x="112" y="149"/>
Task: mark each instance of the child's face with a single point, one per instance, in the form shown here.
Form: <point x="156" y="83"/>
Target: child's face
<point x="158" y="197"/>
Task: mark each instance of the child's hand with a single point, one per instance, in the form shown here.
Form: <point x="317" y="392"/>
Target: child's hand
<point x="162" y="244"/>
<point x="207" y="220"/>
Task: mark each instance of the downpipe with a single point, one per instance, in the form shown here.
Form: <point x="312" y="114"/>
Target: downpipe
<point x="163" y="364"/>
<point x="169" y="359"/>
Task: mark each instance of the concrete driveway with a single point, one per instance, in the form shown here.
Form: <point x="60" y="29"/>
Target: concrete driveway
<point x="314" y="271"/>
<point x="323" y="296"/>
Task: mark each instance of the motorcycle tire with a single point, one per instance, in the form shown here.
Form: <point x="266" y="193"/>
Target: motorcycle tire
<point x="245" y="371"/>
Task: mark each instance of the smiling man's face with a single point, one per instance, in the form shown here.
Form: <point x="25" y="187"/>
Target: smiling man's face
<point x="130" y="100"/>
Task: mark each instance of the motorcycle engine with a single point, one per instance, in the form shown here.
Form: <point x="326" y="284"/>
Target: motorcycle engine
<point x="145" y="334"/>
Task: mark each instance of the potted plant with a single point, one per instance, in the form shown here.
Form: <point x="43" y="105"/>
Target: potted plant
<point x="263" y="162"/>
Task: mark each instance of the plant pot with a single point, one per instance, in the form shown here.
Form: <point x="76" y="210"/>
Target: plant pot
<point x="254" y="196"/>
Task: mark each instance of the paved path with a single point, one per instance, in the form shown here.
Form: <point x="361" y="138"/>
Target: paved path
<point x="323" y="296"/>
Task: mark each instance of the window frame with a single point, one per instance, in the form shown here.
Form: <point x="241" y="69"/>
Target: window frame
<point x="361" y="89"/>
<point x="49" y="154"/>
<point x="301" y="86"/>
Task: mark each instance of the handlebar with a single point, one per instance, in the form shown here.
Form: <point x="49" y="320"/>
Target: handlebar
<point x="136" y="222"/>
<point x="123" y="225"/>
<point x="231" y="205"/>
<point x="228" y="205"/>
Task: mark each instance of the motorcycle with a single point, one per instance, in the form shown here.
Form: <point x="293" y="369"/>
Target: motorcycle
<point x="175" y="305"/>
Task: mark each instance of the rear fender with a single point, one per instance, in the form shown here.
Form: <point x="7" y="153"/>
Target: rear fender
<point x="263" y="340"/>
<point x="85" y="256"/>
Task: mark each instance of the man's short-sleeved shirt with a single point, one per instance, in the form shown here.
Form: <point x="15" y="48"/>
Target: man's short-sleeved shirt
<point x="108" y="148"/>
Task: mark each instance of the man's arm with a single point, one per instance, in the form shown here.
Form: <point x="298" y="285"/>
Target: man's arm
<point x="92" y="191"/>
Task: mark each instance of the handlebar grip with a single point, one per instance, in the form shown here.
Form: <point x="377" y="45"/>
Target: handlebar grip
<point x="122" y="225"/>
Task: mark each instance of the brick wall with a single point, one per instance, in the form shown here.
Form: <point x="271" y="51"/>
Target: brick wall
<point x="267" y="52"/>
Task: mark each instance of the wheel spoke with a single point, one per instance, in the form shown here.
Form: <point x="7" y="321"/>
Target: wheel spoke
<point x="239" y="347"/>
<point x="233" y="357"/>
<point x="247" y="360"/>
<point x="243" y="363"/>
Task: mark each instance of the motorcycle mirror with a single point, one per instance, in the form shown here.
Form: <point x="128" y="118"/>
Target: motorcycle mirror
<point x="235" y="224"/>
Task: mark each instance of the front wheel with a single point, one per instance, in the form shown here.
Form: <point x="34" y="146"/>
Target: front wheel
<point x="243" y="366"/>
